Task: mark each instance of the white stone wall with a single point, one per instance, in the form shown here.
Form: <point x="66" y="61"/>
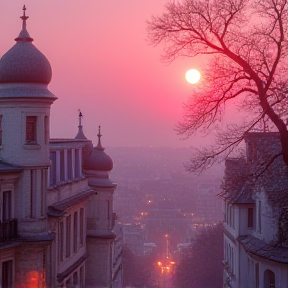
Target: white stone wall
<point x="15" y="150"/>
<point x="266" y="220"/>
<point x="100" y="211"/>
<point x="99" y="261"/>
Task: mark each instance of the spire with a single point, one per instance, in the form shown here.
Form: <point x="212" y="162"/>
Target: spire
<point x="24" y="35"/>
<point x="80" y="134"/>
<point x="99" y="146"/>
<point x="80" y="116"/>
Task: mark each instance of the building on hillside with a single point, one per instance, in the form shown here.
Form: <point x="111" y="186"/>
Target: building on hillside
<point x="256" y="216"/>
<point x="56" y="198"/>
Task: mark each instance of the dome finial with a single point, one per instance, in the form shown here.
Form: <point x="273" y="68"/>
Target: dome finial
<point x="24" y="35"/>
<point x="99" y="146"/>
<point x="24" y="16"/>
<point x="99" y="132"/>
<point x="80" y="116"/>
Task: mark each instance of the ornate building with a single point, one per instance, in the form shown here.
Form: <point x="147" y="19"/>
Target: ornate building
<point x="256" y="216"/>
<point x="56" y="198"/>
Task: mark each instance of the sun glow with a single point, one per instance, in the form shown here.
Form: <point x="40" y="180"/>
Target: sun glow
<point x="193" y="76"/>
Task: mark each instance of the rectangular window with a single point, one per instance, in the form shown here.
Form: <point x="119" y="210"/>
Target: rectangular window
<point x="75" y="279"/>
<point x="250" y="218"/>
<point x="233" y="260"/>
<point x="225" y="250"/>
<point x="226" y="212"/>
<point x="7" y="206"/>
<point x="61" y="240"/>
<point x="81" y="277"/>
<point x="53" y="168"/>
<point x="231" y="212"/>
<point x="1" y="116"/>
<point x="68" y="235"/>
<point x="259" y="217"/>
<point x="33" y="193"/>
<point x="77" y="163"/>
<point x="108" y="209"/>
<point x="31" y="126"/>
<point x="46" y="130"/>
<point x="7" y="274"/>
<point x="43" y="191"/>
<point x="81" y="226"/>
<point x="69" y="163"/>
<point x="75" y="227"/>
<point x="62" y="166"/>
<point x="257" y="275"/>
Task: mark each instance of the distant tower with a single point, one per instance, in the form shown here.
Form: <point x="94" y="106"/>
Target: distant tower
<point x="25" y="103"/>
<point x="100" y="217"/>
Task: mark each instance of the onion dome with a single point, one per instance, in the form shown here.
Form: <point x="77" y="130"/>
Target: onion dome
<point x="80" y="135"/>
<point x="24" y="64"/>
<point x="98" y="160"/>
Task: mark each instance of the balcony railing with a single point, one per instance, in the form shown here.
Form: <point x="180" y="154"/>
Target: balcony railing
<point x="8" y="230"/>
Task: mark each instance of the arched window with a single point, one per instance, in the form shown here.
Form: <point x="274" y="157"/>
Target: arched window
<point x="269" y="279"/>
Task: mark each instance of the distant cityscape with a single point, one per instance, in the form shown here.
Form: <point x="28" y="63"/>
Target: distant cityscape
<point x="156" y="196"/>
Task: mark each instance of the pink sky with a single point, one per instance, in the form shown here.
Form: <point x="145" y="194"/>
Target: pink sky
<point x="103" y="65"/>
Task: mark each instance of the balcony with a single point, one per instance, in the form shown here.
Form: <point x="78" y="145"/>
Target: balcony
<point x="8" y="230"/>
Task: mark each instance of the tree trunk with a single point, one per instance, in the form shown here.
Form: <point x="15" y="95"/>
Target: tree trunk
<point x="284" y="144"/>
<point x="279" y="123"/>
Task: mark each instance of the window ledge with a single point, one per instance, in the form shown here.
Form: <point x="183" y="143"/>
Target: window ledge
<point x="32" y="146"/>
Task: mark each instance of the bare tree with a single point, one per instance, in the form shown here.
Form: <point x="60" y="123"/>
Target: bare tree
<point x="245" y="42"/>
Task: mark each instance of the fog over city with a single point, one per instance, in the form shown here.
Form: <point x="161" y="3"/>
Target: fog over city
<point x="143" y="144"/>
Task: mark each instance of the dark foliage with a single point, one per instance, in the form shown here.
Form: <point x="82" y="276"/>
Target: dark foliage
<point x="138" y="271"/>
<point x="201" y="263"/>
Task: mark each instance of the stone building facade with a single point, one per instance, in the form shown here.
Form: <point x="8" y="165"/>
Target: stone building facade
<point x="56" y="197"/>
<point x="256" y="217"/>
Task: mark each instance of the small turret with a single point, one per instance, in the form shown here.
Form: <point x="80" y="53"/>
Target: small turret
<point x="80" y="135"/>
<point x="98" y="165"/>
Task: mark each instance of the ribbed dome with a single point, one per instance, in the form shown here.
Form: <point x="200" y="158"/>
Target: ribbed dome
<point x="98" y="160"/>
<point x="24" y="63"/>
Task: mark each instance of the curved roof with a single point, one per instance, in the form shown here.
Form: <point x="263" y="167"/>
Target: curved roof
<point x="22" y="65"/>
<point x="98" y="160"/>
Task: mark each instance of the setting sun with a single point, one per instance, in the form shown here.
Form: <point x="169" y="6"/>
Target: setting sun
<point x="193" y="76"/>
